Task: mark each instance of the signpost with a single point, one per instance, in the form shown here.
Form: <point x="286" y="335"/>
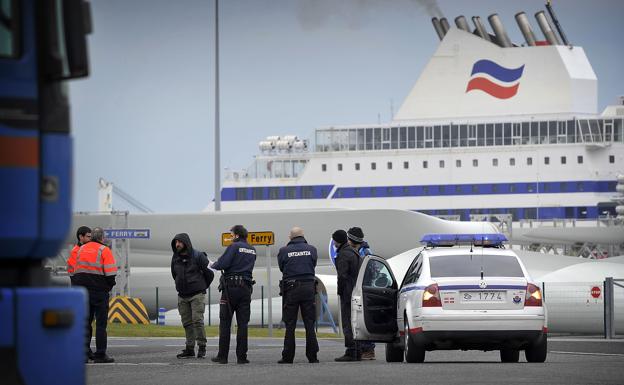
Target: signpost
<point x="259" y="238"/>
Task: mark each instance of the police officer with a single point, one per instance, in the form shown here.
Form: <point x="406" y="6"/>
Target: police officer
<point x="236" y="263"/>
<point x="297" y="261"/>
<point x="347" y="266"/>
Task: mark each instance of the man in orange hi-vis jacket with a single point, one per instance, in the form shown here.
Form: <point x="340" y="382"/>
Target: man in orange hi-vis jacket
<point x="83" y="235"/>
<point x="95" y="270"/>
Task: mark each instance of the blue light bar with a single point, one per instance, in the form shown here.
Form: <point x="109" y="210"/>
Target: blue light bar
<point x="433" y="240"/>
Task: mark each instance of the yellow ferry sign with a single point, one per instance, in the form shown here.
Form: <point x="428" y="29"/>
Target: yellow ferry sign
<point x="255" y="238"/>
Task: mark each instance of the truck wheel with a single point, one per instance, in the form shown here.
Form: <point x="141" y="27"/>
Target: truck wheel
<point x="414" y="352"/>
<point x="509" y="355"/>
<point x="538" y="350"/>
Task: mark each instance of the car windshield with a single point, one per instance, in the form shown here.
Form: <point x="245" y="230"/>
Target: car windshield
<point x="469" y="265"/>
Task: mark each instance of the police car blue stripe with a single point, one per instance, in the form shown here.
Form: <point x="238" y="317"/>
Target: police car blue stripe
<point x="410" y="288"/>
<point x="476" y="287"/>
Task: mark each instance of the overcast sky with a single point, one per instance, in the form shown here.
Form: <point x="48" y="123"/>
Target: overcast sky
<point x="144" y="118"/>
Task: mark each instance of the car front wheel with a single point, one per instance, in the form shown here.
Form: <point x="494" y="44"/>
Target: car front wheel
<point x="414" y="352"/>
<point x="538" y="350"/>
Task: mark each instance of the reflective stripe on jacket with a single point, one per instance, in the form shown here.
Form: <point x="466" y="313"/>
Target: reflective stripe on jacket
<point x="95" y="258"/>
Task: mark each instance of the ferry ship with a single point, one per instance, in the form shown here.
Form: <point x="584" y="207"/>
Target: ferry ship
<point x="489" y="128"/>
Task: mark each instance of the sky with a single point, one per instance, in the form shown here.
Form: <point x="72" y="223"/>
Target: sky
<point x="144" y="118"/>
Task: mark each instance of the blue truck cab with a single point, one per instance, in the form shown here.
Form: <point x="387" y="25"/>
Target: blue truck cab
<point x="42" y="328"/>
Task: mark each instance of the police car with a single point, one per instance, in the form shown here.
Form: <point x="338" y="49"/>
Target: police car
<point x="459" y="291"/>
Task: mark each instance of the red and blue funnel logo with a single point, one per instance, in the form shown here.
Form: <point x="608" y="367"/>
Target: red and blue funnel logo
<point x="493" y="79"/>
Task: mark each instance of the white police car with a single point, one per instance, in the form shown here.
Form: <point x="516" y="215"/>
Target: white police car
<point x="460" y="291"/>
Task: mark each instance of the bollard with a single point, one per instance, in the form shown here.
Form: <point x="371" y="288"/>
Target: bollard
<point x="157" y="304"/>
<point x="262" y="306"/>
<point x="161" y="316"/>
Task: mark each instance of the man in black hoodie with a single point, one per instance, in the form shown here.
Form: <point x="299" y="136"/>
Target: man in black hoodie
<point x="347" y="265"/>
<point x="189" y="269"/>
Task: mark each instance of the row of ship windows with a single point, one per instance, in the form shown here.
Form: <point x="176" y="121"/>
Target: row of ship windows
<point x="570" y="212"/>
<point x="322" y="191"/>
<point x="458" y="163"/>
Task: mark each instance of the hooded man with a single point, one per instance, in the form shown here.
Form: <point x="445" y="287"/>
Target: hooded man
<point x="356" y="240"/>
<point x="189" y="269"/>
<point x="347" y="266"/>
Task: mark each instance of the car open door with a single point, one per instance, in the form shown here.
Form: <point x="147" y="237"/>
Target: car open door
<point x="373" y="303"/>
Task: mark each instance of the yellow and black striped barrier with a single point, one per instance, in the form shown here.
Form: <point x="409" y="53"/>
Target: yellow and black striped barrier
<point x="127" y="310"/>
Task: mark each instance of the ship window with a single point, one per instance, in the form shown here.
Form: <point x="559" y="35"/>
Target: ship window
<point x="428" y="137"/>
<point x="475" y="189"/>
<point x="489" y="134"/>
<point x="534" y="133"/>
<point x="481" y="135"/>
<point x="512" y="188"/>
<point x="562" y="186"/>
<point x="420" y="137"/>
<point x="425" y="190"/>
<point x="458" y="189"/>
<point x="373" y="166"/>
<point x="403" y="137"/>
<point x="437" y="136"/>
<point x="582" y="212"/>
<point x="530" y="187"/>
<point x="611" y="158"/>
<point x="526" y="134"/>
<point x="324" y="167"/>
<point x="571" y="131"/>
<point x="377" y="138"/>
<point x="495" y="162"/>
<point x="405" y="165"/>
<point x="257" y="193"/>
<point x="546" y="160"/>
<point x="441" y="190"/>
<point x="507" y="134"/>
<point x="530" y="213"/>
<point x="446" y="136"/>
<point x="389" y="165"/>
<point x="394" y="138"/>
<point x="389" y="191"/>
<point x="579" y="159"/>
<point x="458" y="163"/>
<point x="357" y="167"/>
<point x="369" y="138"/>
<point x="475" y="163"/>
<point x="339" y="166"/>
<point x="543" y="133"/>
<point x="463" y="135"/>
<point x="563" y="160"/>
<point x="411" y="137"/>
<point x="361" y="139"/>
<point x="290" y="192"/>
<point x="9" y="29"/>
<point x="498" y="134"/>
<point x="512" y="161"/>
<point x="373" y="191"/>
<point x="454" y="135"/>
<point x="494" y="188"/>
<point x="441" y="164"/>
<point x="241" y="194"/>
<point x="307" y="192"/>
<point x="529" y="161"/>
<point x="580" y="186"/>
<point x="405" y="190"/>
<point x="425" y="164"/>
<point x="273" y="192"/>
<point x="356" y="192"/>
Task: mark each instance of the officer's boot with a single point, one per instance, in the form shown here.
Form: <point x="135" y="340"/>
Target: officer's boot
<point x="201" y="352"/>
<point x="188" y="352"/>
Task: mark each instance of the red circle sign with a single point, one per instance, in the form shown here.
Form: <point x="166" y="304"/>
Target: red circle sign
<point x="595" y="292"/>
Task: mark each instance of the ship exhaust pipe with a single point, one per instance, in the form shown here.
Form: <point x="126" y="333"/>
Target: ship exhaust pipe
<point x="445" y="25"/>
<point x="551" y="12"/>
<point x="525" y="28"/>
<point x="501" y="35"/>
<point x="462" y="23"/>
<point x="546" y="28"/>
<point x="438" y="27"/>
<point x="481" y="31"/>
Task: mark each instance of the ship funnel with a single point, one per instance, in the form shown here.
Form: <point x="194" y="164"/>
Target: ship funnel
<point x="481" y="31"/>
<point x="546" y="28"/>
<point x="525" y="28"/>
<point x="462" y="23"/>
<point x="551" y="12"/>
<point x="438" y="27"/>
<point x="501" y="35"/>
<point x="445" y="25"/>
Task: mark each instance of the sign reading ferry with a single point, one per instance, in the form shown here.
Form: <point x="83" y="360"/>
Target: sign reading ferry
<point x="255" y="238"/>
<point x="127" y="233"/>
<point x="494" y="79"/>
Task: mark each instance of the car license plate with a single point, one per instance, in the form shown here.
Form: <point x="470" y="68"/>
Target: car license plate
<point x="482" y="296"/>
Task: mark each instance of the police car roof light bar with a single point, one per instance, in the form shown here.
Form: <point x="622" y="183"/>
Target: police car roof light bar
<point x="437" y="240"/>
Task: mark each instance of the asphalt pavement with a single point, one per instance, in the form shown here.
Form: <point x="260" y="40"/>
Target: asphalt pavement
<point x="571" y="360"/>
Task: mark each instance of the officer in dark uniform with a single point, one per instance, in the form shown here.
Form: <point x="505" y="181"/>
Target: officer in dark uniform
<point x="236" y="285"/>
<point x="297" y="261"/>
